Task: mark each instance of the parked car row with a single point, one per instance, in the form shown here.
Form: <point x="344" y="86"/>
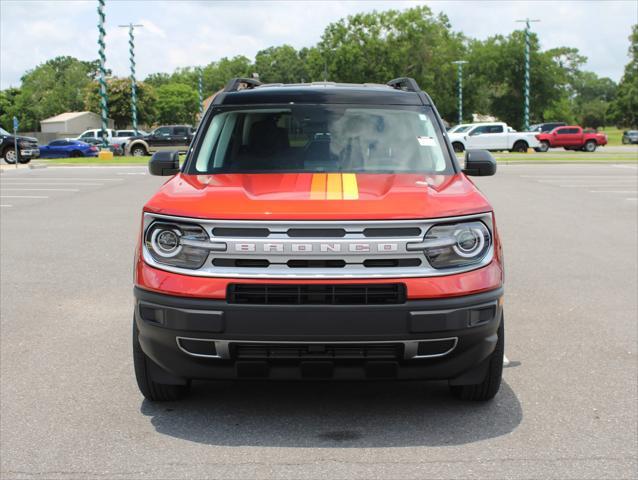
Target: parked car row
<point x="497" y="136"/>
<point x="89" y="142"/>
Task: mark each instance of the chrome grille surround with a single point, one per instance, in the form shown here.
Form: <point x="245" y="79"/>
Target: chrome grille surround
<point x="353" y="248"/>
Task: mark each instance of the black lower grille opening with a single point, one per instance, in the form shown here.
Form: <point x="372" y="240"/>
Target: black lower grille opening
<point x="355" y="351"/>
<point x="392" y="262"/>
<point x="313" y="294"/>
<point x="435" y="347"/>
<point x="241" y="262"/>
<point x="316" y="263"/>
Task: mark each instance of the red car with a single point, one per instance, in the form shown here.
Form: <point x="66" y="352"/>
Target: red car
<point x="319" y="231"/>
<point x="571" y="138"/>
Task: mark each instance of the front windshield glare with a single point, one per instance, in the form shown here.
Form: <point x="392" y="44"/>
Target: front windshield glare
<point x="321" y="138"/>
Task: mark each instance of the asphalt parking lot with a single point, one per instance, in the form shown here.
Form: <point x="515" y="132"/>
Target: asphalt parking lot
<point x="567" y="408"/>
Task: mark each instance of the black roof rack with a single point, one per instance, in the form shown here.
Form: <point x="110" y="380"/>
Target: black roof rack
<point x="234" y="84"/>
<point x="404" y="83"/>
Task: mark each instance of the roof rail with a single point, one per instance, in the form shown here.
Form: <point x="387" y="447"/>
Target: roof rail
<point x="235" y="83"/>
<point x="404" y="83"/>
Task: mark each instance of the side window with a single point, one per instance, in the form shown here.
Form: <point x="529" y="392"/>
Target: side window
<point x="87" y="135"/>
<point x="57" y="143"/>
<point x="572" y="130"/>
<point x="563" y="131"/>
<point x="162" y="131"/>
<point x="479" y="130"/>
<point x="180" y="131"/>
<point x="495" y="129"/>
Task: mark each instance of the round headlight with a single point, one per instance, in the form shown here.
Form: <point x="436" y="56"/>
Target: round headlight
<point x="469" y="242"/>
<point x="166" y="242"/>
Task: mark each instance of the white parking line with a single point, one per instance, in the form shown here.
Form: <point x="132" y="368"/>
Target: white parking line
<point x="632" y="198"/>
<point x="613" y="191"/>
<point x="22" y="196"/>
<point x="6" y="205"/>
<point x="46" y="179"/>
<point x="39" y="189"/>
<point x="37" y="184"/>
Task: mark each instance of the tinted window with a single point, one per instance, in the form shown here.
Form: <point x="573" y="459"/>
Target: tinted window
<point x="58" y="143"/>
<point x="125" y="133"/>
<point x="162" y="131"/>
<point x="322" y="138"/>
<point x="88" y="134"/>
<point x="487" y="129"/>
<point x="182" y="131"/>
<point x="563" y="131"/>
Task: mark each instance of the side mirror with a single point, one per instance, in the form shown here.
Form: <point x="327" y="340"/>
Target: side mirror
<point x="479" y="163"/>
<point x="164" y="163"/>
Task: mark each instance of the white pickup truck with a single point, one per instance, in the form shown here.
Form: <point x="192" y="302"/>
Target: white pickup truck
<point x="493" y="136"/>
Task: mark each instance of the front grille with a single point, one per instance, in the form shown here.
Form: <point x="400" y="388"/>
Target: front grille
<point x="355" y="351"/>
<point x="308" y="294"/>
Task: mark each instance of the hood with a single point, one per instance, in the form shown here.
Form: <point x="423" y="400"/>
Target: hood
<point x="318" y="196"/>
<point x="28" y="139"/>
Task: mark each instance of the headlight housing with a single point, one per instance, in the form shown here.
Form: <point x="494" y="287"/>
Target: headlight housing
<point x="176" y="244"/>
<point x="457" y="245"/>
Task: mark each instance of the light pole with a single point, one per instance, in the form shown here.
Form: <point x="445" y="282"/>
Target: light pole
<point x="104" y="109"/>
<point x="200" y="92"/>
<point x="131" y="50"/>
<point x="527" y="21"/>
<point x="459" y="69"/>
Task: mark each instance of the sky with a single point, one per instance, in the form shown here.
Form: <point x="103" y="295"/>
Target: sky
<point x="189" y="33"/>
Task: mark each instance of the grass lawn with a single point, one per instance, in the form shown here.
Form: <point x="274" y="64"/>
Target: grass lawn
<point x="614" y="135"/>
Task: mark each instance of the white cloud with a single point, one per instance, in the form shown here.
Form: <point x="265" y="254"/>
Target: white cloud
<point x="188" y="33"/>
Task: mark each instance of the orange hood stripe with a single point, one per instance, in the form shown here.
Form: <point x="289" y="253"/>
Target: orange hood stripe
<point x="334" y="186"/>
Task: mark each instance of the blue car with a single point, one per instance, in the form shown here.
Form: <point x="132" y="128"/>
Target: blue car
<point x="68" y="148"/>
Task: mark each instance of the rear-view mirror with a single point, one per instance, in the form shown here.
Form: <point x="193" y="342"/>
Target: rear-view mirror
<point x="164" y="163"/>
<point x="479" y="163"/>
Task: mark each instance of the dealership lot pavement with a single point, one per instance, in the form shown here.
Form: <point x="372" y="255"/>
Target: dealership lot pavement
<point x="70" y="408"/>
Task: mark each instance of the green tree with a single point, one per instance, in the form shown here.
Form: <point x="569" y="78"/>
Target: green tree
<point x="8" y="107"/>
<point x="625" y="106"/>
<point x="119" y="90"/>
<point x="280" y="64"/>
<point x="497" y="70"/>
<point x="176" y="103"/>
<point x="53" y="87"/>
<point x="379" y="46"/>
<point x="158" y="79"/>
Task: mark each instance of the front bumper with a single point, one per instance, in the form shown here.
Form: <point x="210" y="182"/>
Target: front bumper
<point x="29" y="153"/>
<point x="436" y="339"/>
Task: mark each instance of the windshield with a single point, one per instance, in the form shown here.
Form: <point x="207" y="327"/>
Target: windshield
<point x="3" y="131"/>
<point x="322" y="138"/>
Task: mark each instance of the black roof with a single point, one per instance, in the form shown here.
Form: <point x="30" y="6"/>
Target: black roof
<point x="321" y="92"/>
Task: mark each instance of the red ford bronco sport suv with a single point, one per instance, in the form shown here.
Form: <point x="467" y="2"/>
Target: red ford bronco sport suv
<point x="319" y="231"/>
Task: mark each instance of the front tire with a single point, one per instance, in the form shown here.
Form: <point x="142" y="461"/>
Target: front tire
<point x="590" y="146"/>
<point x="152" y="391"/>
<point x="9" y="155"/>
<point x="544" y="146"/>
<point x="458" y="147"/>
<point x="138" y="151"/>
<point x="76" y="154"/>
<point x="488" y="388"/>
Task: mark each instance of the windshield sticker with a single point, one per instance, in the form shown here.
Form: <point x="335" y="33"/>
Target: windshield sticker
<point x="426" y="141"/>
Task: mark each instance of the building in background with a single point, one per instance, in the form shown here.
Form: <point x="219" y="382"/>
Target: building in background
<point x="71" y="124"/>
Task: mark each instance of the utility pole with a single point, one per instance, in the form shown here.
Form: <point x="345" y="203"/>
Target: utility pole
<point x="459" y="69"/>
<point x="131" y="50"/>
<point x="104" y="109"/>
<point x="527" y="21"/>
<point x="200" y="92"/>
